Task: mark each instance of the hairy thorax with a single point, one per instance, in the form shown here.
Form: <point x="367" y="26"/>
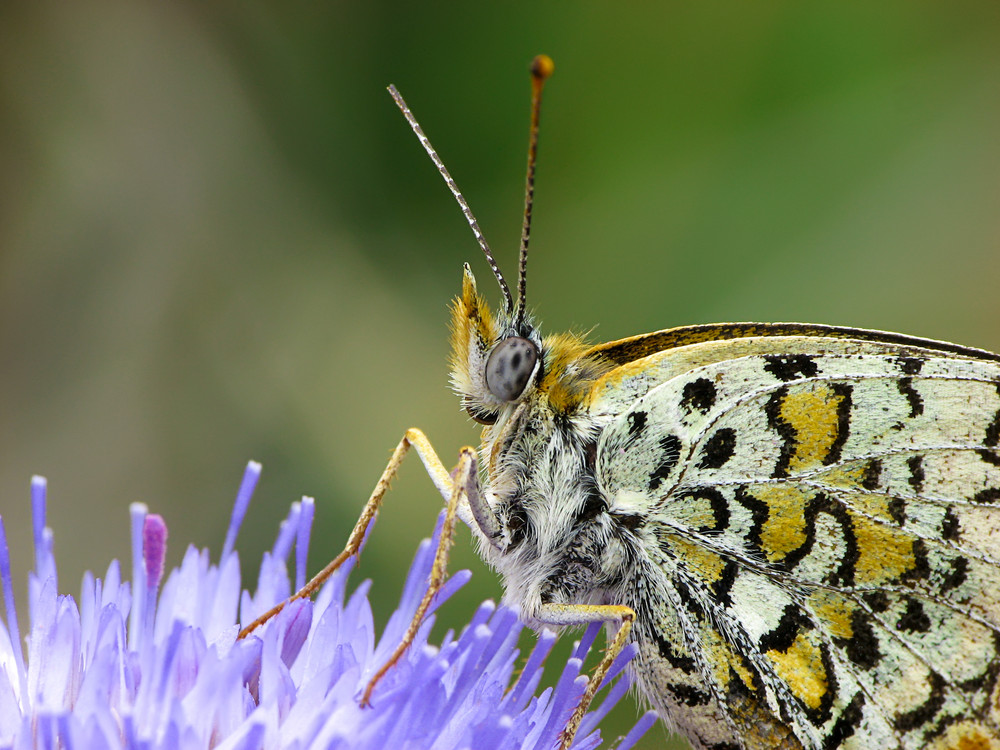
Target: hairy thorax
<point x="561" y="544"/>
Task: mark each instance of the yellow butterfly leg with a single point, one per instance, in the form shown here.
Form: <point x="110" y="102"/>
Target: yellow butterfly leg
<point x="451" y="486"/>
<point x="465" y="472"/>
<point x="583" y="614"/>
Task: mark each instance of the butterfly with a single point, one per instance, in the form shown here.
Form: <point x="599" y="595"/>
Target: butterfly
<point x="798" y="525"/>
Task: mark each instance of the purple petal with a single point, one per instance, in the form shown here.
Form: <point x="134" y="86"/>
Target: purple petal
<point x="302" y="540"/>
<point x="250" y="476"/>
<point x="45" y="564"/>
<point x="12" y="631"/>
<point x="648" y="719"/>
<point x="137" y="513"/>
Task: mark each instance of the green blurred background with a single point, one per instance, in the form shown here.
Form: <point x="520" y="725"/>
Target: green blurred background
<point x="220" y="241"/>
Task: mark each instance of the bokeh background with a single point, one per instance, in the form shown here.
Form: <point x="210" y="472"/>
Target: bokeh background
<point x="220" y="241"/>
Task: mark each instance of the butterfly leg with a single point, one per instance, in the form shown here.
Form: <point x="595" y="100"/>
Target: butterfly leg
<point x="584" y="614"/>
<point x="413" y="438"/>
<point x="463" y="481"/>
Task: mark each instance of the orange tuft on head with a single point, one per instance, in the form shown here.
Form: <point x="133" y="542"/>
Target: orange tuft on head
<point x="472" y="324"/>
<point x="570" y="371"/>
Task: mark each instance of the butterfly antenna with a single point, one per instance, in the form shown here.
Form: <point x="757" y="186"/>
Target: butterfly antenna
<point x="469" y="217"/>
<point x="541" y="68"/>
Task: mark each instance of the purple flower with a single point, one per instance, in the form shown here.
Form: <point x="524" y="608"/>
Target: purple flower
<point x="137" y="666"/>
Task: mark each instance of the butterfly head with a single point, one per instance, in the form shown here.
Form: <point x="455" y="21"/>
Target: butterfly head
<point x="496" y="359"/>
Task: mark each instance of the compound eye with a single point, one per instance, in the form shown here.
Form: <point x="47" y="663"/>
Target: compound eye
<point x="509" y="367"/>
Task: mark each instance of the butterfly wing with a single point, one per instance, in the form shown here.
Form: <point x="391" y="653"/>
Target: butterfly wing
<point x="825" y="527"/>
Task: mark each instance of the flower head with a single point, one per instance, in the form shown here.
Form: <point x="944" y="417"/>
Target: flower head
<point x="129" y="664"/>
